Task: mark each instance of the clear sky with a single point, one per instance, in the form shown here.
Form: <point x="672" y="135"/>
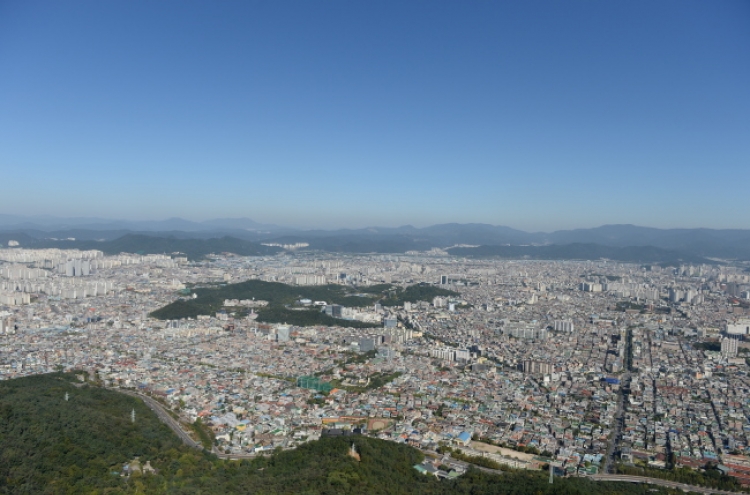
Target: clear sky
<point x="533" y="114"/>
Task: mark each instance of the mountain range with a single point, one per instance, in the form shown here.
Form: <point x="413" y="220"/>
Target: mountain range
<point x="693" y="245"/>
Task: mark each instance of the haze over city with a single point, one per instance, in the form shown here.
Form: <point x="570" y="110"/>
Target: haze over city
<point x="536" y="115"/>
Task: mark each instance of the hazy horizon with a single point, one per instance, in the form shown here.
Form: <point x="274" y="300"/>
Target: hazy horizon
<point x="83" y="221"/>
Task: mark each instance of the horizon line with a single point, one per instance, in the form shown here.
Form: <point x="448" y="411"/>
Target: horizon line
<point x="79" y="220"/>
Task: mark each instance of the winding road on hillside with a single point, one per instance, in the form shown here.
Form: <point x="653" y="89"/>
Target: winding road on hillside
<point x="164" y="416"/>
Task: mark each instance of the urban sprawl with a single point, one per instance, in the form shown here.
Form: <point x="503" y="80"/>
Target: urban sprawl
<point x="574" y="364"/>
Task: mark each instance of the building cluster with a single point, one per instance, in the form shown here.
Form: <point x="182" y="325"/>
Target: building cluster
<point x="531" y="362"/>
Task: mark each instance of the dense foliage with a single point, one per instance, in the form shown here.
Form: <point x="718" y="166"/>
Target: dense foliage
<point x="50" y="445"/>
<point x="708" y="346"/>
<point x="278" y="295"/>
<point x="282" y="298"/>
<point x="629" y="305"/>
<point x="413" y="293"/>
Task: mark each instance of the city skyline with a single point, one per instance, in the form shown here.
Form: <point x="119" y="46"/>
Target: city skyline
<point x="539" y="116"/>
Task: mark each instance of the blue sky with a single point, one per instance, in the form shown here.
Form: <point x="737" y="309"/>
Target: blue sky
<point x="537" y="115"/>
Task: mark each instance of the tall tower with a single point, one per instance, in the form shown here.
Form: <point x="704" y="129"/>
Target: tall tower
<point x="132" y="416"/>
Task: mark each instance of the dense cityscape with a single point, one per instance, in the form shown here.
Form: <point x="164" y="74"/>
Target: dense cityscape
<point x="582" y="365"/>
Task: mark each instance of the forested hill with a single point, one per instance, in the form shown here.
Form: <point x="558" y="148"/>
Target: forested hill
<point x="280" y="297"/>
<point x="52" y="446"/>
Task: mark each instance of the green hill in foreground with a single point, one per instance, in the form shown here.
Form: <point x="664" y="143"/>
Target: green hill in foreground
<point x="52" y="446"/>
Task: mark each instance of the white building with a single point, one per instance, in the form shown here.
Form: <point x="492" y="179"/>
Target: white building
<point x="729" y="347"/>
<point x="563" y="326"/>
<point x="739" y="327"/>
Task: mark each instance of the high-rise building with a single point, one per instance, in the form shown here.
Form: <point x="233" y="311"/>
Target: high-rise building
<point x="729" y="347"/>
<point x="535" y="367"/>
<point x="367" y="344"/>
<point x="590" y="287"/>
<point x="282" y="334"/>
<point x="563" y="326"/>
<point x="526" y="331"/>
<point x="689" y="295"/>
<point x="334" y="310"/>
<point x="675" y="295"/>
<point x="462" y="355"/>
<point x="738" y="327"/>
<point x="77" y="268"/>
<point x="390" y="322"/>
<point x="451" y="354"/>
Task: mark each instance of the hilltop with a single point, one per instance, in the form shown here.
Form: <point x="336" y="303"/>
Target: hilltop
<point x="280" y="297"/>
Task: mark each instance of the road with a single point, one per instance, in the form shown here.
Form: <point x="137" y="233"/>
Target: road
<point x="616" y="435"/>
<point x="656" y="481"/>
<point x="456" y="463"/>
<point x="164" y="416"/>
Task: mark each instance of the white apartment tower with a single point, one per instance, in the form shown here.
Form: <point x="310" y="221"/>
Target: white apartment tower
<point x="563" y="326"/>
<point x="729" y="347"/>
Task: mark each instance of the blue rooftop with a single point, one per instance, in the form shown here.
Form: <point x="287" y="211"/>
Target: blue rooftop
<point x="464" y="436"/>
